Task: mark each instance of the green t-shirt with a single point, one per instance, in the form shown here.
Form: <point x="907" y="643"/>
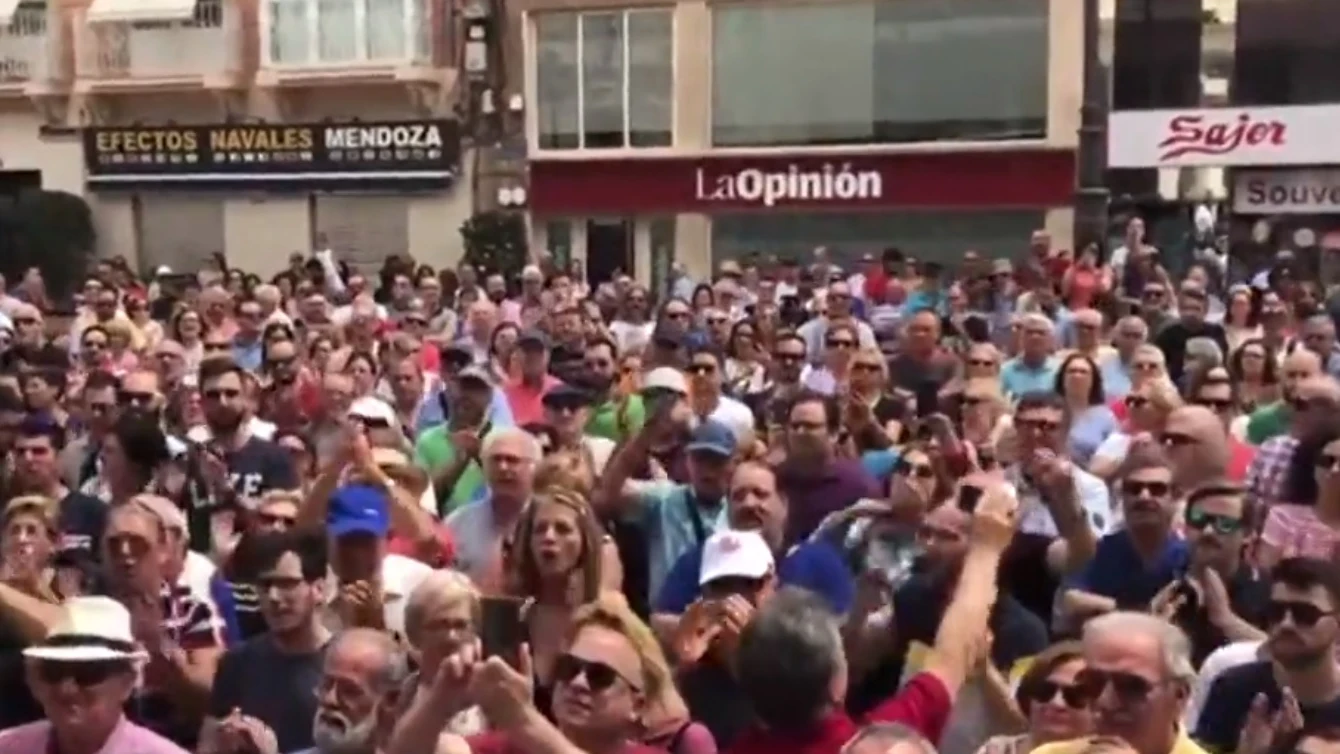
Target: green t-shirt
<point x="1267" y="422"/>
<point x="604" y="421"/>
<point x="433" y="452"/>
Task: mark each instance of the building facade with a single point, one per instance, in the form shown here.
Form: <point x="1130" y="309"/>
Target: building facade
<point x="1234" y="102"/>
<point x="255" y="128"/>
<point x="701" y="130"/>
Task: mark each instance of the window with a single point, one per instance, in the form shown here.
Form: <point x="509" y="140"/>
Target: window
<point x="316" y="32"/>
<point x="883" y="71"/>
<point x="604" y="80"/>
<point x="1286" y="52"/>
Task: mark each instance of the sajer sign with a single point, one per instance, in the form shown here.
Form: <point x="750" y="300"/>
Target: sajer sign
<point x="276" y="154"/>
<point x="1224" y="137"/>
<point x="767" y="188"/>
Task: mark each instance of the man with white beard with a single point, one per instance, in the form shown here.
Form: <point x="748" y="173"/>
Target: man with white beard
<point x="363" y="672"/>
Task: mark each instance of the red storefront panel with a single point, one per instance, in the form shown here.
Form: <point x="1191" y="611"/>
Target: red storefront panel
<point x="976" y="180"/>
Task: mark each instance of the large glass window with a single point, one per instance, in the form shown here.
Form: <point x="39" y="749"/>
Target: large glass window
<point x="880" y="71"/>
<point x="604" y="79"/>
<point x="1287" y="52"/>
<point x="940" y="236"/>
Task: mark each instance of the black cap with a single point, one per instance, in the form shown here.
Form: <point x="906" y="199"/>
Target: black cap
<point x="533" y="336"/>
<point x="564" y="394"/>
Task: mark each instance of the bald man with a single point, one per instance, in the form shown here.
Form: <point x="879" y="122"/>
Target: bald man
<point x="1196" y="442"/>
<point x="1273" y="420"/>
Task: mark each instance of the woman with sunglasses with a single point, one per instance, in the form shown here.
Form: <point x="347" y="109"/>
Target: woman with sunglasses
<point x="745" y="371"/>
<point x="1056" y="709"/>
<point x="613" y="693"/>
<point x="1147" y="408"/>
<point x="840" y="343"/>
<point x="1306" y="523"/>
<point x="150" y="331"/>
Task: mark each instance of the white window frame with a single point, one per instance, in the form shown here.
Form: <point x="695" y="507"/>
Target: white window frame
<point x="624" y="17"/>
<point x="410" y="12"/>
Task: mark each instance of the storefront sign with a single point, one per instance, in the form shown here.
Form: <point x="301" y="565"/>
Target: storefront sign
<point x="229" y="155"/>
<point x="1224" y="137"/>
<point x="768" y="188"/>
<point x="729" y="183"/>
<point x="1288" y="192"/>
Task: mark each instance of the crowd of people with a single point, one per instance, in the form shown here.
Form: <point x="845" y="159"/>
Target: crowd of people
<point x="1059" y="503"/>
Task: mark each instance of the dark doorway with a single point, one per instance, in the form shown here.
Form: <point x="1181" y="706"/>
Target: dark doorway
<point x="15" y="182"/>
<point x="609" y="249"/>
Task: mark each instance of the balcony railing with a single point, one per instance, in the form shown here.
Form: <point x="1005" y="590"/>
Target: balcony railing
<point x="207" y="45"/>
<point x="29" y="46"/>
<point x="343" y="33"/>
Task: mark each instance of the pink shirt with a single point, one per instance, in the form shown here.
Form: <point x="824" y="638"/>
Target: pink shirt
<point x="527" y="402"/>
<point x="126" y="738"/>
<point x="1296" y="531"/>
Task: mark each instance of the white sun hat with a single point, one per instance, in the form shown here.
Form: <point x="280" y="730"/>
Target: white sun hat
<point x="91" y="629"/>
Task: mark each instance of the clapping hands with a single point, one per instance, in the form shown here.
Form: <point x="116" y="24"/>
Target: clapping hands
<point x="467" y="678"/>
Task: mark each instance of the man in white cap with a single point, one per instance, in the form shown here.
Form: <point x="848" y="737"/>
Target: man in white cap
<point x="83" y="674"/>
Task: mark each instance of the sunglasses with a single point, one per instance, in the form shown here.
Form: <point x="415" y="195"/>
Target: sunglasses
<point x="133" y="398"/>
<point x="84" y="674"/>
<point x="988" y="363"/>
<point x="1038" y="425"/>
<point x="216" y="347"/>
<point x="840" y="343"/>
<point x="1200" y="520"/>
<point x="1129" y="688"/>
<point x="368" y="422"/>
<point x="919" y="470"/>
<point x="270" y="519"/>
<point x="1072" y="696"/>
<point x="599" y="676"/>
<point x="1133" y="488"/>
<point x="1215" y="404"/>
<point x="1303" y="614"/>
<point x="865" y="367"/>
<point x="564" y="407"/>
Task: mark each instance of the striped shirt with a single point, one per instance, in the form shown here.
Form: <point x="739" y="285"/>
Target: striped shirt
<point x="191" y="624"/>
<point x="1296" y="531"/>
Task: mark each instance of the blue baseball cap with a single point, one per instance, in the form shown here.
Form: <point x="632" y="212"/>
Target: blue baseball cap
<point x="713" y="437"/>
<point x="358" y="508"/>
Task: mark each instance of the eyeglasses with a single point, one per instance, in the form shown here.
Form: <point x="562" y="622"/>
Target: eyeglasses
<point x="563" y="407"/>
<point x="271" y="519"/>
<point x="599" y="676"/>
<point x="1129" y="688"/>
<point x="216" y="347"/>
<point x="1201" y="520"/>
<point x="1135" y="488"/>
<point x="1327" y="462"/>
<point x="1215" y="404"/>
<point x="865" y="367"/>
<point x="1303" y="614"/>
<point x="988" y="363"/>
<point x="840" y="343"/>
<point x="1072" y="696"/>
<point x="84" y="674"/>
<point x="1175" y="440"/>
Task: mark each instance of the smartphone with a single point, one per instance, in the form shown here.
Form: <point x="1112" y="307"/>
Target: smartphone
<point x="968" y="498"/>
<point x="485" y="429"/>
<point x="501" y="628"/>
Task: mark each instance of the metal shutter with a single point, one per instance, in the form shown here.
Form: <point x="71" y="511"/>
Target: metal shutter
<point x="364" y="229"/>
<point x="178" y="231"/>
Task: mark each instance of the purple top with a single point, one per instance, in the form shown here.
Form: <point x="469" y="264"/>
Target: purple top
<point x="126" y="738"/>
<point x="813" y="496"/>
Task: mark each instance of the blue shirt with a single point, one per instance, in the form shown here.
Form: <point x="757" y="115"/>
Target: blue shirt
<point x="816" y="566"/>
<point x="1017" y="378"/>
<point x="1116" y="377"/>
<point x="248" y="355"/>
<point x="1117" y="571"/>
<point x="879" y="464"/>
<point x="670" y="515"/>
<point x="430" y="412"/>
<point x="1088" y="429"/>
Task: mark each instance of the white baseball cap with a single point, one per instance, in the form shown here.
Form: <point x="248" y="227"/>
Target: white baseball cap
<point x="666" y="378"/>
<point x="739" y="554"/>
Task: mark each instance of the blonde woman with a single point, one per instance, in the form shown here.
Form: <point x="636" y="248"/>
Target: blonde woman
<point x="870" y="412"/>
<point x="1147" y="409"/>
<point x="121" y="355"/>
<point x="571" y="471"/>
<point x="986" y="417"/>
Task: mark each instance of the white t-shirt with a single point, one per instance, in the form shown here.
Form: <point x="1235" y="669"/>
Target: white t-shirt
<point x="629" y="337"/>
<point x="735" y="415"/>
<point x="1224" y="658"/>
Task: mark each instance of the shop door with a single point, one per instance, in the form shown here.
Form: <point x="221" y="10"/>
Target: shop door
<point x="609" y="249"/>
<point x="182" y="232"/>
<point x="363" y="229"/>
